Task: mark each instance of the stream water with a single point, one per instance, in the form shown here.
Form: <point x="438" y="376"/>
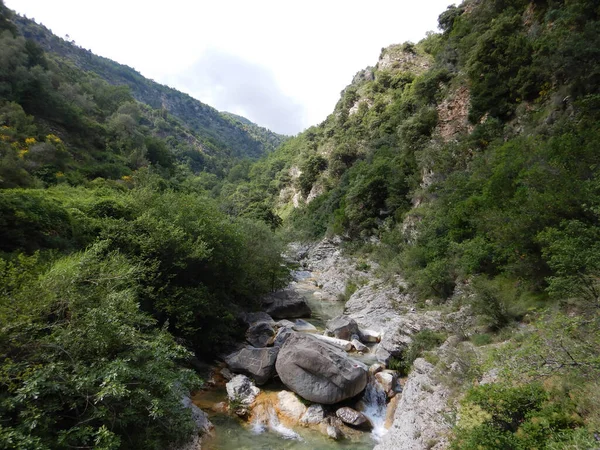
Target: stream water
<point x="231" y="433"/>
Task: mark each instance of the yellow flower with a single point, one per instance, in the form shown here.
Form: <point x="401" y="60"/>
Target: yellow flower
<point x="59" y="174"/>
<point x="53" y="138"/>
<point x="23" y="152"/>
<point x="30" y="141"/>
<point x="126" y="178"/>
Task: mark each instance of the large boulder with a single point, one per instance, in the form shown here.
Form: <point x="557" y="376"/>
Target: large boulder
<point x="286" y="304"/>
<point x="351" y="417"/>
<point x="317" y="371"/>
<point x="342" y="327"/>
<point x="261" y="334"/>
<point x="258" y="363"/>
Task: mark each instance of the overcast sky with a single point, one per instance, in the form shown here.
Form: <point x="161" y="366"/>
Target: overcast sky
<point x="280" y="63"/>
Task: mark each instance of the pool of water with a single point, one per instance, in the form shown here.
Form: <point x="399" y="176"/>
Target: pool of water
<point x="232" y="433"/>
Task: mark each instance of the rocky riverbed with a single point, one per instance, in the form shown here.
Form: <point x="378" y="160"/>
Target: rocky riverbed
<point x="313" y="372"/>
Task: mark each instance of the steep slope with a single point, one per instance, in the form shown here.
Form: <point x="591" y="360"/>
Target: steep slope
<point x="468" y="164"/>
<point x="211" y="126"/>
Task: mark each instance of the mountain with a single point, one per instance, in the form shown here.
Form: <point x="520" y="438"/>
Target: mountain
<point x="212" y="127"/>
<point x="454" y="189"/>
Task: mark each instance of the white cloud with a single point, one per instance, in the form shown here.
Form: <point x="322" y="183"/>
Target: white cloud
<point x="312" y="48"/>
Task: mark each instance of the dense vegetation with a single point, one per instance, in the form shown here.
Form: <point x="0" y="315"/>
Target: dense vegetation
<point x="218" y="132"/>
<point x="470" y="159"/>
<point x="466" y="163"/>
<point x="117" y="269"/>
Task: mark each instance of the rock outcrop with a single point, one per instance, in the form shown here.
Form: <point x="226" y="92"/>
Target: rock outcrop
<point x="317" y="371"/>
<point x="419" y="418"/>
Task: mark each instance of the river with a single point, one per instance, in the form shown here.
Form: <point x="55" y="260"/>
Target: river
<point x="232" y="433"/>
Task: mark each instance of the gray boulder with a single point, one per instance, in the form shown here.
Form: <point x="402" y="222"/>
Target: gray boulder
<point x="261" y="334"/>
<point x="354" y="418"/>
<point x="282" y="335"/>
<point x="342" y="327"/>
<point x="286" y="304"/>
<point x="317" y="371"/>
<point x="258" y="363"/>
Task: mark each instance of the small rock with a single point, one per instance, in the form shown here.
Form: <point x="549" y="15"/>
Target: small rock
<point x="359" y="346"/>
<point x="241" y="393"/>
<point x="241" y="389"/>
<point x="387" y="380"/>
<point x="314" y="415"/>
<point x="331" y="428"/>
<point x="200" y="418"/>
<point x="370" y="336"/>
<point x="303" y="325"/>
<point x="290" y="405"/>
<point x="352" y="417"/>
<point x="334" y="432"/>
<point x="375" y="368"/>
<point x="286" y="323"/>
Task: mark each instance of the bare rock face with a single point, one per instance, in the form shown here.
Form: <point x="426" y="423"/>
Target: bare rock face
<point x="419" y="418"/>
<point x="259" y="363"/>
<point x="342" y="327"/>
<point x="354" y="418"/>
<point x="317" y="371"/>
<point x="286" y="304"/>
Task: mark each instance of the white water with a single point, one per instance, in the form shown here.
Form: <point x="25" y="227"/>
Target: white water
<point x="270" y="422"/>
<point x="375" y="402"/>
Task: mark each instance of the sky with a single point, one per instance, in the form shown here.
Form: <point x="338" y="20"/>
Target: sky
<point x="280" y="63"/>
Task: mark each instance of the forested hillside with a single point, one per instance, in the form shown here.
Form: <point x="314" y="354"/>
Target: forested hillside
<point x="134" y="230"/>
<point x="116" y="268"/>
<point x="216" y="130"/>
<point x="467" y="163"/>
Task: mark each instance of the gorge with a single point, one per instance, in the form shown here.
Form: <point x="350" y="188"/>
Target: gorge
<point x="418" y="271"/>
